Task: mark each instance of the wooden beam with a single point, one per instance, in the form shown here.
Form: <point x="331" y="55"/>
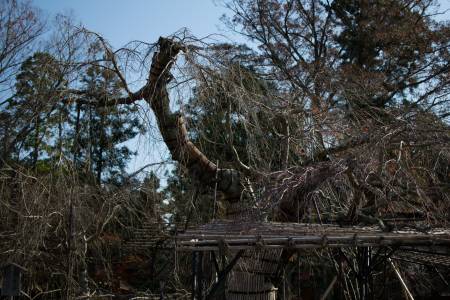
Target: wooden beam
<point x="220" y="284"/>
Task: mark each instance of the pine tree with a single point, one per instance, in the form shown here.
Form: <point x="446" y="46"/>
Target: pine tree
<point x="34" y="112"/>
<point x="99" y="132"/>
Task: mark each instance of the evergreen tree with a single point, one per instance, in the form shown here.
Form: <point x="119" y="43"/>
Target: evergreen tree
<point x="35" y="112"/>
<point x="390" y="44"/>
<point x="99" y="132"/>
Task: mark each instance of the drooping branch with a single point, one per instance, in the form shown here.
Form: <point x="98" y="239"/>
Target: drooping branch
<point x="172" y="126"/>
<point x="291" y="188"/>
<point x="100" y="100"/>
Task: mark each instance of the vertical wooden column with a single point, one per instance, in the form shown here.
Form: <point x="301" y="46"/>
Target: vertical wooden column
<point x="223" y="262"/>
<point x="12" y="280"/>
<point x="365" y="273"/>
<point x="197" y="276"/>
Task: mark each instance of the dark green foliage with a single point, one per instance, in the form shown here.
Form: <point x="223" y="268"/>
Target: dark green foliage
<point x="34" y="115"/>
<point x="99" y="132"/>
<point x="41" y="125"/>
<point x="187" y="202"/>
<point x="391" y="41"/>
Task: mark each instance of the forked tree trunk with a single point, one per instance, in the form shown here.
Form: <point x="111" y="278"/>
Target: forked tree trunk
<point x="251" y="277"/>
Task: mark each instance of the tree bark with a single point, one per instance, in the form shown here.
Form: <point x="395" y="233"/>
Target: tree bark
<point x="246" y="280"/>
<point x="173" y="127"/>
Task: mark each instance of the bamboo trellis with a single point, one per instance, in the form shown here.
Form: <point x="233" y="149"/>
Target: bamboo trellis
<point x="237" y="236"/>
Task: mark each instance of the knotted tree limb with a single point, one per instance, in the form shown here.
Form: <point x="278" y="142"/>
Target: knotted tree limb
<point x="172" y="126"/>
<point x="292" y="188"/>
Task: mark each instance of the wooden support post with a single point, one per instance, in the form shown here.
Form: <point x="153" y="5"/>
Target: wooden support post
<point x="197" y="278"/>
<point x="201" y="281"/>
<point x="223" y="261"/>
<point x="298" y="275"/>
<point x="341" y="293"/>
<point x="365" y="273"/>
<point x="362" y="280"/>
<point x="162" y="286"/>
<point x="218" y="289"/>
<point x="12" y="280"/>
<point x="215" y="263"/>
<point x="279" y="279"/>
<point x="194" y="275"/>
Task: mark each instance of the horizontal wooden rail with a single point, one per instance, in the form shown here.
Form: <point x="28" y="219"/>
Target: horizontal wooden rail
<point x="296" y="236"/>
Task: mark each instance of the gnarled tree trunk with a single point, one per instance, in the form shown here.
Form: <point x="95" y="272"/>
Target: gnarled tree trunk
<point x="252" y="275"/>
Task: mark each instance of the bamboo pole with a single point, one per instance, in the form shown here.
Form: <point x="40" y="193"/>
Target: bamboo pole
<point x="329" y="288"/>
<point x="397" y="272"/>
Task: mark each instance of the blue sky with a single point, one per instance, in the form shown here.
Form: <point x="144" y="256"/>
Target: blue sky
<point x="122" y="21"/>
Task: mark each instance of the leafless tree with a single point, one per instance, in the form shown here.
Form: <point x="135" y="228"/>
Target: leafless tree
<point x="20" y="27"/>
